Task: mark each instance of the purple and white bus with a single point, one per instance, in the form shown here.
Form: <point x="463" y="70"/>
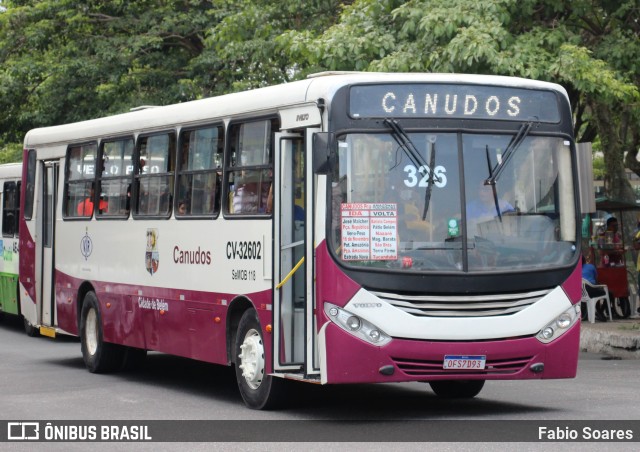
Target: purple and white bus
<point x="346" y="228"/>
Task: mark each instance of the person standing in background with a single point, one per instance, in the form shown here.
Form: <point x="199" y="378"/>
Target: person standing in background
<point x="636" y="246"/>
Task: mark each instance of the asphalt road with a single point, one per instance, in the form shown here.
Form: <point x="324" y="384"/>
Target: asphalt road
<point x="45" y="379"/>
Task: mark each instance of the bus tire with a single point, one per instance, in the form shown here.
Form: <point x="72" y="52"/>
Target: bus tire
<point x="457" y="389"/>
<point x="259" y="390"/>
<point x="98" y="356"/>
<point x="29" y="328"/>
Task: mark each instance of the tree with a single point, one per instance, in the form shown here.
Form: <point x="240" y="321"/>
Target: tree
<point x="590" y="47"/>
<point x="244" y="51"/>
<point x="66" y="60"/>
<point x="70" y="60"/>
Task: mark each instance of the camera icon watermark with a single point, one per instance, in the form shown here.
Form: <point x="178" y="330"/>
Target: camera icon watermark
<point x="23" y="431"/>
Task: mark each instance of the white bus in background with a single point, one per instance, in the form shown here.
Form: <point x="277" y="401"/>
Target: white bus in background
<point x="347" y="228"/>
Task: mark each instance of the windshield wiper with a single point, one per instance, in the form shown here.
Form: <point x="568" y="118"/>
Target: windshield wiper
<point x="405" y="143"/>
<point x="495" y="172"/>
<point x="493" y="185"/>
<point x="432" y="179"/>
<point x="515" y="142"/>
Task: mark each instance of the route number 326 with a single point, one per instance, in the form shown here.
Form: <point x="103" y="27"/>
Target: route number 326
<point x="420" y="176"/>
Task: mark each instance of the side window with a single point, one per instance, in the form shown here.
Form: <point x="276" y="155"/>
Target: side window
<point x="31" y="183"/>
<point x="154" y="176"/>
<point x="114" y="182"/>
<point x="79" y="181"/>
<point x="17" y="210"/>
<point x="250" y="168"/>
<point x="10" y="204"/>
<point x="199" y="172"/>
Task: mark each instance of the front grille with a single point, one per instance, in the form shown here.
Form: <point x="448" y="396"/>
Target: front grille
<point x="462" y="305"/>
<point x="419" y="368"/>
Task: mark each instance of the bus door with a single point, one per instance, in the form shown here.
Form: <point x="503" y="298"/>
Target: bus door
<point x="47" y="225"/>
<point x="290" y="260"/>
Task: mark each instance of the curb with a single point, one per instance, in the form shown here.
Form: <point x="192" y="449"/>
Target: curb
<point x="619" y="339"/>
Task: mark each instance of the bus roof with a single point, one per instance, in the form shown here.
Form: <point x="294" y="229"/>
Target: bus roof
<point x="11" y="171"/>
<point x="268" y="99"/>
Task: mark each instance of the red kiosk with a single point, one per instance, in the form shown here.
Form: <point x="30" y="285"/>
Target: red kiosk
<point x="609" y="251"/>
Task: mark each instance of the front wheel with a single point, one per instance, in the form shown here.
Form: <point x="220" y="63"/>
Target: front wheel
<point x="457" y="389"/>
<point x="258" y="389"/>
<point x="98" y="356"/>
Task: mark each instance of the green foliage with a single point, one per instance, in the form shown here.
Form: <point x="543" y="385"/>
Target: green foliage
<point x="598" y="167"/>
<point x="11" y="153"/>
<point x="590" y="47"/>
<point x="70" y="60"/>
<point x="66" y="60"/>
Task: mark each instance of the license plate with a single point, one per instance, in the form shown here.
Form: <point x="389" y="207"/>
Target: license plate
<point x="470" y="362"/>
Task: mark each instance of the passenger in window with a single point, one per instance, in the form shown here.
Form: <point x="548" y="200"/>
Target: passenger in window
<point x="144" y="203"/>
<point x="245" y="199"/>
<point x="182" y="208"/>
<point x="269" y="206"/>
<point x="127" y="205"/>
<point x="165" y="201"/>
<point x="270" y="199"/>
<point x="85" y="208"/>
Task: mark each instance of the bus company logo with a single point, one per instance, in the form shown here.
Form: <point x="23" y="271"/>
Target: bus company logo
<point x="152" y="255"/>
<point x="367" y="305"/>
<point x="23" y="431"/>
<point x="86" y="245"/>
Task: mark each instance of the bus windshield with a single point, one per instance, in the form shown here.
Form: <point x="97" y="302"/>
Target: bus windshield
<point x="441" y="211"/>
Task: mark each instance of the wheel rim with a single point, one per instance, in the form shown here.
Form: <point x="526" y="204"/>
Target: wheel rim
<point x="91" y="332"/>
<point x="252" y="359"/>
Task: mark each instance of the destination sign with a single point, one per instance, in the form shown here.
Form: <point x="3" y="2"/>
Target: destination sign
<point x="453" y="101"/>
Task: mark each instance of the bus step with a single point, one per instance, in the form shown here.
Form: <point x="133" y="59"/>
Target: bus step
<point x="48" y="331"/>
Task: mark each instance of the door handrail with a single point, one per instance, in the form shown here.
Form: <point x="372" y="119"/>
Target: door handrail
<point x="288" y="277"/>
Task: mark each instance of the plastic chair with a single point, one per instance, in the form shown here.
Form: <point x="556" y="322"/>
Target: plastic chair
<point x="591" y="302"/>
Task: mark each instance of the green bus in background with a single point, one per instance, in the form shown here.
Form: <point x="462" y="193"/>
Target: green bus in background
<point x="10" y="176"/>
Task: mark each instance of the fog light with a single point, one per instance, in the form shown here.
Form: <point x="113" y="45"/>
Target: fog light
<point x="353" y="322"/>
<point x="564" y="321"/>
<point x="547" y="333"/>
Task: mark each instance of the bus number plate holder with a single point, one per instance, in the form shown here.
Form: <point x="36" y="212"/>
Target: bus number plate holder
<point x="464" y="362"/>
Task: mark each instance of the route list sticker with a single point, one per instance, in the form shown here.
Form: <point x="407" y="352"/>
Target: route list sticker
<point x="369" y="231"/>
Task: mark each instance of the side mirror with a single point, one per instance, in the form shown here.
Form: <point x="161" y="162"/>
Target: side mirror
<point x="322" y="152"/>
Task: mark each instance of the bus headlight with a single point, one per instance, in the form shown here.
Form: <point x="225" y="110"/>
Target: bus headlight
<point x="354" y="323"/>
<point x="560" y="325"/>
<point x="356" y="326"/>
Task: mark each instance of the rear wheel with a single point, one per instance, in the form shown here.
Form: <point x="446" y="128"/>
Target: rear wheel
<point x="457" y="389"/>
<point x="259" y="390"/>
<point x="99" y="356"/>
